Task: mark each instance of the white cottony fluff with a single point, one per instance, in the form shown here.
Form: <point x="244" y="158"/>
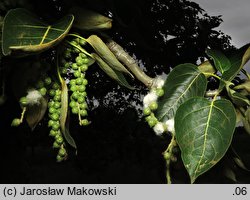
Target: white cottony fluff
<point x="149" y="98"/>
<point x="159" y="128"/>
<point x="160" y="80"/>
<point x="34" y="97"/>
<point x="170" y="125"/>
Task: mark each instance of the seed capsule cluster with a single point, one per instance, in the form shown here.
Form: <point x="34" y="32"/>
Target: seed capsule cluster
<point x="54" y="108"/>
<point x="73" y="66"/>
<point x="77" y="65"/>
<point x="150" y="106"/>
<point x="33" y="97"/>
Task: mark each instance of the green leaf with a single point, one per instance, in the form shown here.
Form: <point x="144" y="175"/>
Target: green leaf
<point x="221" y="62"/>
<point x="183" y="82"/>
<point x="89" y="20"/>
<point x="112" y="73"/>
<point x="204" y="131"/>
<point x="206" y="67"/>
<point x="35" y="113"/>
<point x="64" y="114"/>
<point x="236" y="97"/>
<point x="244" y="86"/>
<point x="105" y="54"/>
<point x="239" y="58"/>
<point x="25" y="33"/>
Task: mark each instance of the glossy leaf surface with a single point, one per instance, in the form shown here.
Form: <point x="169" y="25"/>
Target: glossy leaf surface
<point x="183" y="82"/>
<point x="221" y="62"/>
<point x="238" y="59"/>
<point x="204" y="131"/>
<point x="25" y="33"/>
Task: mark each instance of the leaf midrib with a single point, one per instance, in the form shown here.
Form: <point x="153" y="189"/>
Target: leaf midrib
<point x="205" y="137"/>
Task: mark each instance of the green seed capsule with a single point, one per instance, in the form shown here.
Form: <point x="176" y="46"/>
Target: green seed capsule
<point x="85" y="81"/>
<point x="75" y="110"/>
<point x="74" y="66"/>
<point x="152" y="123"/>
<point x="23" y="101"/>
<point x="82" y="55"/>
<point x="85" y="60"/>
<point x="81" y="88"/>
<point x="55" y="116"/>
<point x="79" y="81"/>
<point x="59" y="140"/>
<point x="55" y="127"/>
<point x="73" y="104"/>
<point x="160" y="92"/>
<point x="148" y="118"/>
<point x="80" y="99"/>
<point x="52" y="92"/>
<point x="53" y="133"/>
<point x="77" y="74"/>
<point x="84" y="68"/>
<point x="72" y="82"/>
<point x="59" y="158"/>
<point x="73" y="88"/>
<point x="66" y="65"/>
<point x="52" y="110"/>
<point x="62" y="152"/>
<point x="79" y="61"/>
<point x="51" y="104"/>
<point x="84" y="122"/>
<point x="83" y="106"/>
<point x="39" y="84"/>
<point x="43" y="91"/>
<point x="50" y="123"/>
<point x="57" y="105"/>
<point x="82" y="42"/>
<point x="84" y="94"/>
<point x="55" y="86"/>
<point x="57" y="98"/>
<point x="47" y="81"/>
<point x="74" y="43"/>
<point x="58" y="92"/>
<point x="63" y="70"/>
<point x="83" y="113"/>
<point x="16" y="122"/>
<point x="167" y="156"/>
<point x="75" y="95"/>
<point x="56" y="145"/>
<point x="146" y="111"/>
<point x="153" y="106"/>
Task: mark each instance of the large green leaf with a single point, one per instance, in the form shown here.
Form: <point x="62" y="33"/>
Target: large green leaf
<point x="221" y="62"/>
<point x="204" y="131"/>
<point x="184" y="82"/>
<point x="25" y="33"/>
<point x="112" y="73"/>
<point x="238" y="59"/>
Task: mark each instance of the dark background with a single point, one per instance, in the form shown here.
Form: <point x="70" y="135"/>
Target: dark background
<point x="118" y="146"/>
